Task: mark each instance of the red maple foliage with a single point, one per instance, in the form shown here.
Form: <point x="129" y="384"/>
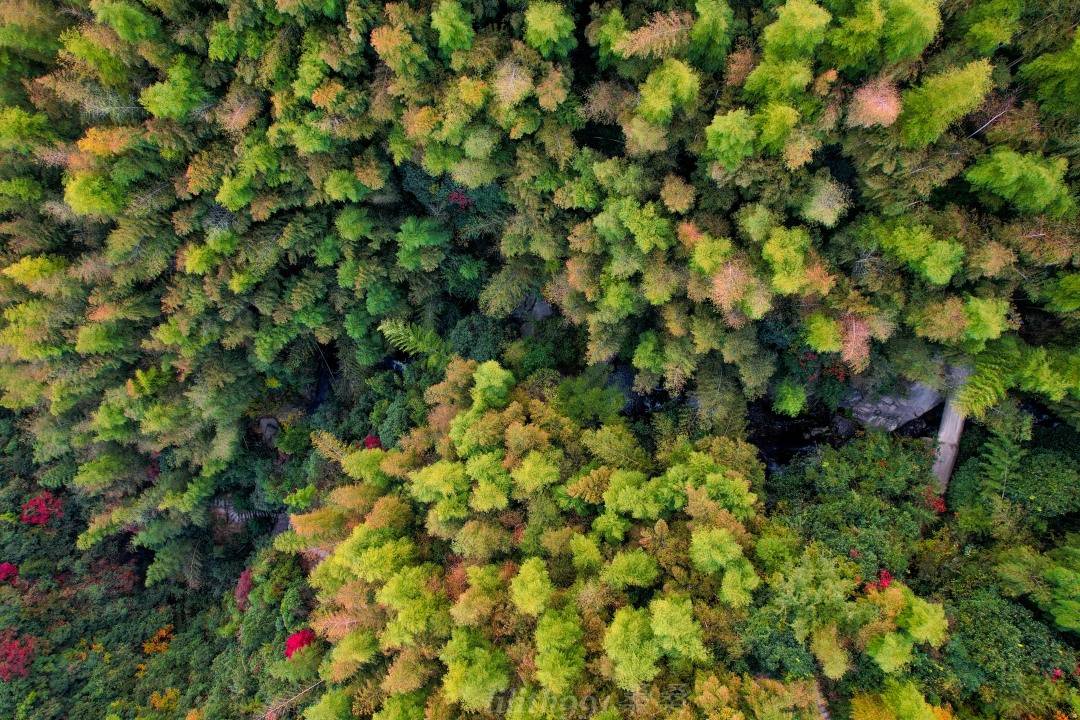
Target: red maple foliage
<point x="15" y="655"/>
<point x="243" y="589"/>
<point x="884" y="580"/>
<point x="372" y="442"/>
<point x="933" y="500"/>
<point x="9" y="572"/>
<point x="298" y="641"/>
<point x="459" y="198"/>
<point x="836" y="370"/>
<point x="41" y="508"/>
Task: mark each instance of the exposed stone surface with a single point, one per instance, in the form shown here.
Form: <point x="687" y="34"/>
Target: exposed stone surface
<point x="531" y="311"/>
<point x="269" y="428"/>
<point x="891" y="411"/>
<point x="541" y="309"/>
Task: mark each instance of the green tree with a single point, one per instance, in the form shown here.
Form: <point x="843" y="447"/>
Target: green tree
<point x="21" y="131"/>
<point x="892" y="651"/>
<point x="1030" y="182"/>
<point x="730" y="138"/>
<point x="1050" y="579"/>
<point x="131" y="21"/>
<point x="531" y="589"/>
<point x="91" y="193"/>
<point x="560" y="653"/>
<point x="799" y="28"/>
<point x="673" y="85"/>
<point x="333" y="705"/>
<point x="1056" y="79"/>
<point x="940" y="100"/>
<point x="491" y="386"/>
<point x="475" y="670"/>
<point x="823" y="334"/>
<point x="676" y="631"/>
<point x="710" y="35"/>
<point x="991" y="24"/>
<point x="785" y="252"/>
<point x="713" y="549"/>
<point x="422" y="244"/>
<point x="549" y="28"/>
<point x="633" y="649"/>
<point x="777" y="79"/>
<point x="910" y="26"/>
<point x="631" y="569"/>
<point x="454" y="25"/>
<point x="181" y="93"/>
<point x="536" y="471"/>
<point x="775" y="122"/>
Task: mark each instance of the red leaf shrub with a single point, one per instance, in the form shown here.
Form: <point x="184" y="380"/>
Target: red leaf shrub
<point x="41" y="508"/>
<point x="9" y="572"/>
<point x="243" y="589"/>
<point x="15" y="655"/>
<point x="298" y="641"/>
<point x="372" y="442"/>
<point x="460" y="199"/>
<point x="884" y="580"/>
<point x="933" y="500"/>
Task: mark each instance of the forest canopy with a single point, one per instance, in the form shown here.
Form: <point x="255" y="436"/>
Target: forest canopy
<point x="472" y="359"/>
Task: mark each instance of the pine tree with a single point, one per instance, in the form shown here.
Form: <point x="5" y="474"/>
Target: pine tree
<point x="664" y="34"/>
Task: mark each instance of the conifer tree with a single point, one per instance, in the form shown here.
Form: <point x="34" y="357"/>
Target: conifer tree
<point x="1055" y="77"/>
<point x="941" y="100"/>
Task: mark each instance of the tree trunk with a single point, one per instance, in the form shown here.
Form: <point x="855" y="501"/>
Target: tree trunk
<point x="822" y="706"/>
<point x="952" y="426"/>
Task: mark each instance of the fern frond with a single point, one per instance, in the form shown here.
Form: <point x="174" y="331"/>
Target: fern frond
<point x="990" y="381"/>
<point x="412" y="339"/>
<point x="1003" y="453"/>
